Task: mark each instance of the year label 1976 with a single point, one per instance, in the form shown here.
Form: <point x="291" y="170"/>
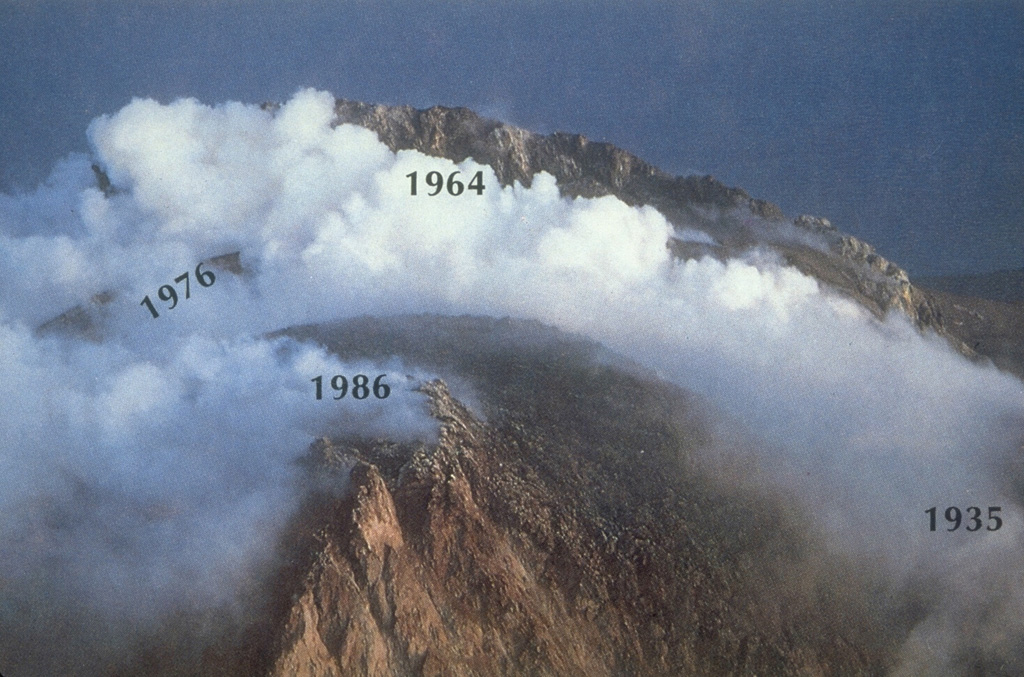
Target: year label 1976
<point x="167" y="293"/>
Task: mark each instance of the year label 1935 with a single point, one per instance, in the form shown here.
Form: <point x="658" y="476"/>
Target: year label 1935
<point x="955" y="517"/>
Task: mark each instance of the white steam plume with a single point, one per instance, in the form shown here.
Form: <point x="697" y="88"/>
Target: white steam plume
<point x="867" y="421"/>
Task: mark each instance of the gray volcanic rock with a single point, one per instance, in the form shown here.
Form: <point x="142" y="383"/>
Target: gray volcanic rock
<point x="582" y="167"/>
<point x="87" y="320"/>
<point x="738" y="221"/>
<point x="84" y="320"/>
<point x="551" y="531"/>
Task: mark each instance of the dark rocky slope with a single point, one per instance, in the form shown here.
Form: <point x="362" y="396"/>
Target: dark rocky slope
<point x="561" y="528"/>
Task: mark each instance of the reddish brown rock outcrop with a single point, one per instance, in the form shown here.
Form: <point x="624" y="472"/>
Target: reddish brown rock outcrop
<point x="468" y="562"/>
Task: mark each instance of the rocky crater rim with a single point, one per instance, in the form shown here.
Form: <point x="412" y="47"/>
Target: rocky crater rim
<point x="736" y="221"/>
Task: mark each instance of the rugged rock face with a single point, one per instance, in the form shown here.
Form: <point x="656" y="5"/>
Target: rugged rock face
<point x="738" y="221"/>
<point x="566" y="535"/>
<point x="582" y="167"/>
<point x="561" y="526"/>
<point x="585" y="168"/>
<point x="426" y="577"/>
<point x="87" y="320"/>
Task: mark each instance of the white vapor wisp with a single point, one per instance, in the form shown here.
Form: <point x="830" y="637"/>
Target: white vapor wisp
<point x="867" y="421"/>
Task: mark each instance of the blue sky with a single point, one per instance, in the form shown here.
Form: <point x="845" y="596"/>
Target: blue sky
<point x="902" y="122"/>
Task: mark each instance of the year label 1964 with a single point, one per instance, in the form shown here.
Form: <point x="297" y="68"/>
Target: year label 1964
<point x="436" y="181"/>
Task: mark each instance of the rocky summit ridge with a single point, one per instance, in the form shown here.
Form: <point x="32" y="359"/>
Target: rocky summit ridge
<point x="978" y="328"/>
<point x="590" y="169"/>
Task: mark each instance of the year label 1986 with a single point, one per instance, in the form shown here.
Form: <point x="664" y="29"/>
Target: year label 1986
<point x="360" y="386"/>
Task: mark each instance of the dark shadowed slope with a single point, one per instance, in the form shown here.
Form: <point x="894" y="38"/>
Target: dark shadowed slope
<point x="564" y="528"/>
